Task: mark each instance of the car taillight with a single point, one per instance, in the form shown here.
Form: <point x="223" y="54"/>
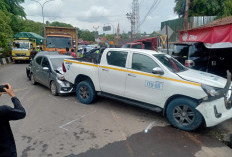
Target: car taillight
<point x="63" y="68"/>
<point x="189" y="63"/>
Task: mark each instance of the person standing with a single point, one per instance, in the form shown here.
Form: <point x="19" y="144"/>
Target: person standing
<point x="73" y="53"/>
<point x="68" y="52"/>
<point x="7" y="143"/>
<point x="33" y="53"/>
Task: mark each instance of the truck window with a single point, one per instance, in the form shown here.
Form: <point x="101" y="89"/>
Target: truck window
<point x="143" y="63"/>
<point x="137" y="46"/>
<point x="117" y="58"/>
<point x="181" y="51"/>
<point x="21" y="45"/>
<point x="126" y="46"/>
<point x="58" y="42"/>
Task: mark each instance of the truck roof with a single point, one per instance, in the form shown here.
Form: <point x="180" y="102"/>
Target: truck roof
<point x="151" y="52"/>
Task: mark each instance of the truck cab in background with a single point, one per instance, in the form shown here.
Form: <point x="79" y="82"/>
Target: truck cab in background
<point x="60" y="38"/>
<point x="23" y="44"/>
<point x="191" y="54"/>
<point x="148" y="44"/>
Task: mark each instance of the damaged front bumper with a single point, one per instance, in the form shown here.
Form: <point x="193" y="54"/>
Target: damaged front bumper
<point x="219" y="108"/>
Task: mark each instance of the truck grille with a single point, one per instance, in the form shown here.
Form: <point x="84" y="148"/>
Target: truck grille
<point x="20" y="54"/>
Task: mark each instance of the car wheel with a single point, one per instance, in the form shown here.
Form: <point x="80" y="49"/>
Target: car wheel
<point x="85" y="92"/>
<point x="53" y="88"/>
<point x="28" y="75"/>
<point x="182" y="113"/>
<point x="33" y="79"/>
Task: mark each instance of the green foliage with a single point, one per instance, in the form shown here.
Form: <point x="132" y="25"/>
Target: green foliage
<point x="87" y="35"/>
<point x="220" y="8"/>
<point x="110" y="37"/>
<point x="6" y="33"/>
<point x="124" y="36"/>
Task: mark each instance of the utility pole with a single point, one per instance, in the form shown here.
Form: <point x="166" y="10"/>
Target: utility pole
<point x="42" y="6"/>
<point x="186" y="25"/>
<point x="134" y="18"/>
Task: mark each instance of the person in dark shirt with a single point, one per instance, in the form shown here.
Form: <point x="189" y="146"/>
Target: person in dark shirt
<point x="7" y="113"/>
<point x="33" y="53"/>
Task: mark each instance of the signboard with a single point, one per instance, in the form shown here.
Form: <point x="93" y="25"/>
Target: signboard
<point x="170" y="31"/>
<point x="106" y="28"/>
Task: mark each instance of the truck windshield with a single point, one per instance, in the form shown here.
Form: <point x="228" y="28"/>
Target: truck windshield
<point x="172" y="64"/>
<point x="58" y="42"/>
<point x="21" y="46"/>
<point x="181" y="50"/>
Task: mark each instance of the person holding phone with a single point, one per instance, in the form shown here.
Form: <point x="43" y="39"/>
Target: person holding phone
<point x="7" y="113"/>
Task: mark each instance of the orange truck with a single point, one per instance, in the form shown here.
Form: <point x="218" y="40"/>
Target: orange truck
<point x="60" y="38"/>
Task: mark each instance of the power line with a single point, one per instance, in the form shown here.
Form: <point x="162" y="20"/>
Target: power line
<point x="154" y="4"/>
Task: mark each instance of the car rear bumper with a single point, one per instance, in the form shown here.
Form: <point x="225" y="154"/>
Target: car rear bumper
<point x="215" y="112"/>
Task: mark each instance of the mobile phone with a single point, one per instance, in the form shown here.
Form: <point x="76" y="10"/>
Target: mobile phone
<point x="3" y="86"/>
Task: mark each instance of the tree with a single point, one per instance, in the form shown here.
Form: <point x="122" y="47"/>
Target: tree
<point x="87" y="35"/>
<point x="110" y="37"/>
<point x="6" y="33"/>
<point x="219" y="8"/>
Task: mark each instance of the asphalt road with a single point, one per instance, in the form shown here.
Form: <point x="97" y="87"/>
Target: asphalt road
<point x="61" y="126"/>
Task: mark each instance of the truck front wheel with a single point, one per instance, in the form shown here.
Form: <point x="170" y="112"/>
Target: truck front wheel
<point x="182" y="113"/>
<point x="85" y="92"/>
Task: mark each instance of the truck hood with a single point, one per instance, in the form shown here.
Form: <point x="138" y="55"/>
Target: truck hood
<point x="203" y="78"/>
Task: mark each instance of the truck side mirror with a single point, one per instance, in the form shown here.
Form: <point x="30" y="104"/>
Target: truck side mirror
<point x="158" y="71"/>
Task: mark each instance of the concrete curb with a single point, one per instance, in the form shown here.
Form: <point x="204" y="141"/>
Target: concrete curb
<point x="4" y="61"/>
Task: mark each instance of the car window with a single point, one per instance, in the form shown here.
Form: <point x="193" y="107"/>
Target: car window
<point x="117" y="58"/>
<point x="38" y="60"/>
<point x="45" y="62"/>
<point x="137" y="46"/>
<point x="143" y="63"/>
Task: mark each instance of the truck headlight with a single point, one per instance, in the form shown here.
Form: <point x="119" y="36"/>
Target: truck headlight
<point x="211" y="91"/>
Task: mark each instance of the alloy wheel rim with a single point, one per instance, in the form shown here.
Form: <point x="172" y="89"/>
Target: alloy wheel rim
<point x="84" y="92"/>
<point x="183" y="115"/>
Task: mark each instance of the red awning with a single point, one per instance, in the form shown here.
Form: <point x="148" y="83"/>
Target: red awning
<point x="213" y="37"/>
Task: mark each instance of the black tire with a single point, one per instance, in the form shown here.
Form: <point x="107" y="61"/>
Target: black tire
<point x="33" y="82"/>
<point x="53" y="88"/>
<point x="182" y="114"/>
<point x="28" y="74"/>
<point x="85" y="92"/>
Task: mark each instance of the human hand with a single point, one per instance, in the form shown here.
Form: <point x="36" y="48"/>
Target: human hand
<point x="9" y="91"/>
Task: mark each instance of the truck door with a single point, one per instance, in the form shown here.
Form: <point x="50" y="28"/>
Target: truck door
<point x="140" y="83"/>
<point x="112" y="72"/>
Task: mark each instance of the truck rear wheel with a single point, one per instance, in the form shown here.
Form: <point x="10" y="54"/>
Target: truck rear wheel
<point x="85" y="92"/>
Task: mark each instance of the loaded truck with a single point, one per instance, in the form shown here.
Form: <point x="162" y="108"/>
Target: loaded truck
<point x="155" y="81"/>
<point x="60" y="38"/>
<point x="148" y="43"/>
<point x="23" y="44"/>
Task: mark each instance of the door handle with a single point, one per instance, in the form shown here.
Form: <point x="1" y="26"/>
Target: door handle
<point x="105" y="70"/>
<point x="131" y="75"/>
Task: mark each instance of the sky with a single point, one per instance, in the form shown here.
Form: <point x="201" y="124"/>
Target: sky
<point x="94" y="14"/>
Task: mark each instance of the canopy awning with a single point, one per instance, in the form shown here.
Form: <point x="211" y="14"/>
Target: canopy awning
<point x="213" y="37"/>
<point x="217" y="34"/>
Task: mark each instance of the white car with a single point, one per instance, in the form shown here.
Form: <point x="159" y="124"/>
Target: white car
<point x="156" y="81"/>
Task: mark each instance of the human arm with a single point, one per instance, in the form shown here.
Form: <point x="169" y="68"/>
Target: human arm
<point x="9" y="113"/>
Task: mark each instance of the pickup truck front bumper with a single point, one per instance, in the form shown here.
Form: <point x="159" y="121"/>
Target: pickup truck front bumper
<point x="215" y="112"/>
<point x="219" y="108"/>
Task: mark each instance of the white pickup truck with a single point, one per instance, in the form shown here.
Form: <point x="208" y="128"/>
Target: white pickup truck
<point x="155" y="81"/>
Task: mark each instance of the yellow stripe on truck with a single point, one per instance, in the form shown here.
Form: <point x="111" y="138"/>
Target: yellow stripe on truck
<point x="135" y="72"/>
